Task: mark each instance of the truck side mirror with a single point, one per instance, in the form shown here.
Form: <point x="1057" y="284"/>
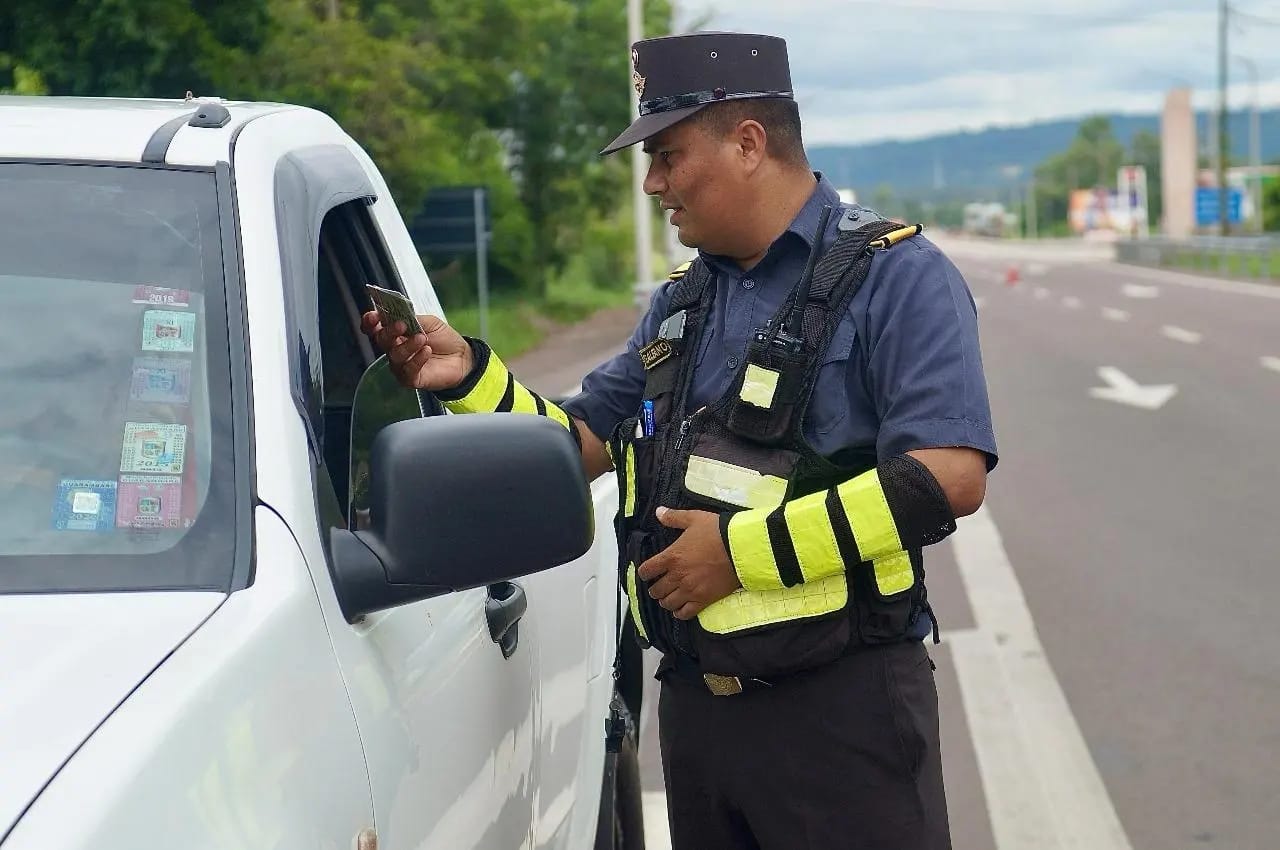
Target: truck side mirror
<point x="448" y="503"/>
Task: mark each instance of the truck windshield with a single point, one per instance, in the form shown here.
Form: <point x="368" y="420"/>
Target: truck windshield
<point x="115" y="404"/>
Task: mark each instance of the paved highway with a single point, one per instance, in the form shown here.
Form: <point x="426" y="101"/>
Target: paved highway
<point x="1108" y="674"/>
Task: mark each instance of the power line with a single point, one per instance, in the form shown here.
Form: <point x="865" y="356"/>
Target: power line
<point x="1250" y="17"/>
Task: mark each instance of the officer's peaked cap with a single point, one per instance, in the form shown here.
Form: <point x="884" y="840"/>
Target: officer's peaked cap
<point x="678" y="75"/>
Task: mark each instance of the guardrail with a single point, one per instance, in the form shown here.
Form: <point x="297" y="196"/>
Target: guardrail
<point x="1256" y="257"/>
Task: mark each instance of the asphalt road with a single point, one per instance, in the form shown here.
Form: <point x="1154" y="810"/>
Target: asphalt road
<point x="1108" y="676"/>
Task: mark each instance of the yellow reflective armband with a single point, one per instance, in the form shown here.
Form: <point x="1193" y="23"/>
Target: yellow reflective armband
<point x="819" y="535"/>
<point x="491" y="388"/>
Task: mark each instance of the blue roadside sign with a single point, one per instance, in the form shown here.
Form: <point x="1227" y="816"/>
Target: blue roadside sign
<point x="1207" y="206"/>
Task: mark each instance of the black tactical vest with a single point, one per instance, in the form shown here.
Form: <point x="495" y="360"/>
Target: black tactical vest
<point x="733" y="454"/>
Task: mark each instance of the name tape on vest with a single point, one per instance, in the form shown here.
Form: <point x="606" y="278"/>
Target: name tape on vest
<point x="655" y="352"/>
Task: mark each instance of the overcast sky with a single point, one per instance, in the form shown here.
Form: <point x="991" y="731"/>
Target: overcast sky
<point x="868" y="70"/>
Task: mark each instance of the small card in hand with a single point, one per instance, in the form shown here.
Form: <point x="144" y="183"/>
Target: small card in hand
<point x="394" y="307"/>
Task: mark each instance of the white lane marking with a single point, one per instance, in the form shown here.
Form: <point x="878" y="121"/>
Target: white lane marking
<point x="1042" y="293"/>
<point x="1272" y="363"/>
<point x="1043" y="790"/>
<point x="1115" y="315"/>
<point x="657" y="834"/>
<point x="1235" y="287"/>
<point x="1125" y="390"/>
<point x="950" y="633"/>
<point x="1071" y="302"/>
<point x="1181" y="334"/>
<point x="1016" y="805"/>
<point x="1134" y="290"/>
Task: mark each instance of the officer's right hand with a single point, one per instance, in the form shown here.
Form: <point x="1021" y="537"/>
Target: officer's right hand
<point x="438" y="359"/>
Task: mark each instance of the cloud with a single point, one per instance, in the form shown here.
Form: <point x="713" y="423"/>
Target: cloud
<point x="909" y="68"/>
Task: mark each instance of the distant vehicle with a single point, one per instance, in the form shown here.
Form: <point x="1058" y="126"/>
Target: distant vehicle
<point x="253" y="593"/>
<point x="987" y="219"/>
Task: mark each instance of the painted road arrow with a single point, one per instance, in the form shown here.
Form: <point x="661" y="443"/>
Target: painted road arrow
<point x="1125" y="390"/>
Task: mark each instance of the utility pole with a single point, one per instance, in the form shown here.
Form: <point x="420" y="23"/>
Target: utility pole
<point x="640" y="202"/>
<point x="1255" y="153"/>
<point x="1031" y="209"/>
<point x="1254" y="183"/>
<point x="670" y="234"/>
<point x="1223" y="220"/>
<point x="1015" y="208"/>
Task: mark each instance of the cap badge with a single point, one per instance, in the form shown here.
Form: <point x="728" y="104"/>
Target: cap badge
<point x="637" y="79"/>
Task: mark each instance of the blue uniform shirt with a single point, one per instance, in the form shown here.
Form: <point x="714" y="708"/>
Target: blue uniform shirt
<point x="903" y="371"/>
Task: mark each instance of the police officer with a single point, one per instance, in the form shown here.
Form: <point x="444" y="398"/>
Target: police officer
<point x="801" y="411"/>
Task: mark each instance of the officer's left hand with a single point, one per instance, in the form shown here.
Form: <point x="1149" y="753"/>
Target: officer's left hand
<point x="694" y="571"/>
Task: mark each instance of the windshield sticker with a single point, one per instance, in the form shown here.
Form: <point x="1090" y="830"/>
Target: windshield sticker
<point x="149" y="501"/>
<point x="162" y="381"/>
<point x="163" y="330"/>
<point x="160" y="295"/>
<point x="153" y="447"/>
<point x="85" y="505"/>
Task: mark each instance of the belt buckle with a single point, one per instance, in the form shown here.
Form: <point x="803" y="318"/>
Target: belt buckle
<point x="722" y="686"/>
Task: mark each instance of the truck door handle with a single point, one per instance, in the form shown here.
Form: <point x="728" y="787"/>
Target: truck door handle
<point x="503" y="609"/>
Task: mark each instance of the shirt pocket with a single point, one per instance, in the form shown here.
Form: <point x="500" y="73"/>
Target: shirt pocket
<point x="829" y="404"/>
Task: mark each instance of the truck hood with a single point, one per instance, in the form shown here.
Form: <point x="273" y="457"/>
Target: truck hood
<point x="66" y="662"/>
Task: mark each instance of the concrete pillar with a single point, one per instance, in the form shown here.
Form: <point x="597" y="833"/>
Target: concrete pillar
<point x="1178" y="164"/>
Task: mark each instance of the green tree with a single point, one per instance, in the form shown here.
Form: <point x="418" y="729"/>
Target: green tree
<point x="127" y="48"/>
<point x="913" y="211"/>
<point x="1271" y="204"/>
<point x="882" y="199"/>
<point x="1089" y="162"/>
<point x="1144" y="150"/>
<point x="367" y="84"/>
<point x="547" y="79"/>
<point x="515" y="95"/>
<point x="20" y="78"/>
<point x="568" y="103"/>
<point x="384" y="91"/>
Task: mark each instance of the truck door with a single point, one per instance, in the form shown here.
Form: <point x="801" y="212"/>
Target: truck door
<point x="445" y="712"/>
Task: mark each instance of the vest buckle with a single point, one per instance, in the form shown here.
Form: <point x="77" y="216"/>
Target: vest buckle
<point x="727" y="686"/>
<point x="722" y="686"/>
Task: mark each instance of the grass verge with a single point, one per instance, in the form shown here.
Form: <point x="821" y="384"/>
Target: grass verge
<point x="1234" y="265"/>
<point x="518" y="324"/>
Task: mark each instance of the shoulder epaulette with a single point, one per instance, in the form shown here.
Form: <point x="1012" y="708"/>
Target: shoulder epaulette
<point x="893" y="237"/>
<point x="679" y="271"/>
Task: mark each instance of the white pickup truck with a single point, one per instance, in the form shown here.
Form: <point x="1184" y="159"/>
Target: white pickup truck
<point x="253" y="594"/>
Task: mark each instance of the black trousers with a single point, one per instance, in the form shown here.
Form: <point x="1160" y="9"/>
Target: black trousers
<point x="844" y="757"/>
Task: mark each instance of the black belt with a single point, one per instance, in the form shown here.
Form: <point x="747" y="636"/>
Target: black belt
<point x="684" y="668"/>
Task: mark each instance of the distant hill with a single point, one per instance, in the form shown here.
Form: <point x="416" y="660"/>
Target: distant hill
<point x="971" y="165"/>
